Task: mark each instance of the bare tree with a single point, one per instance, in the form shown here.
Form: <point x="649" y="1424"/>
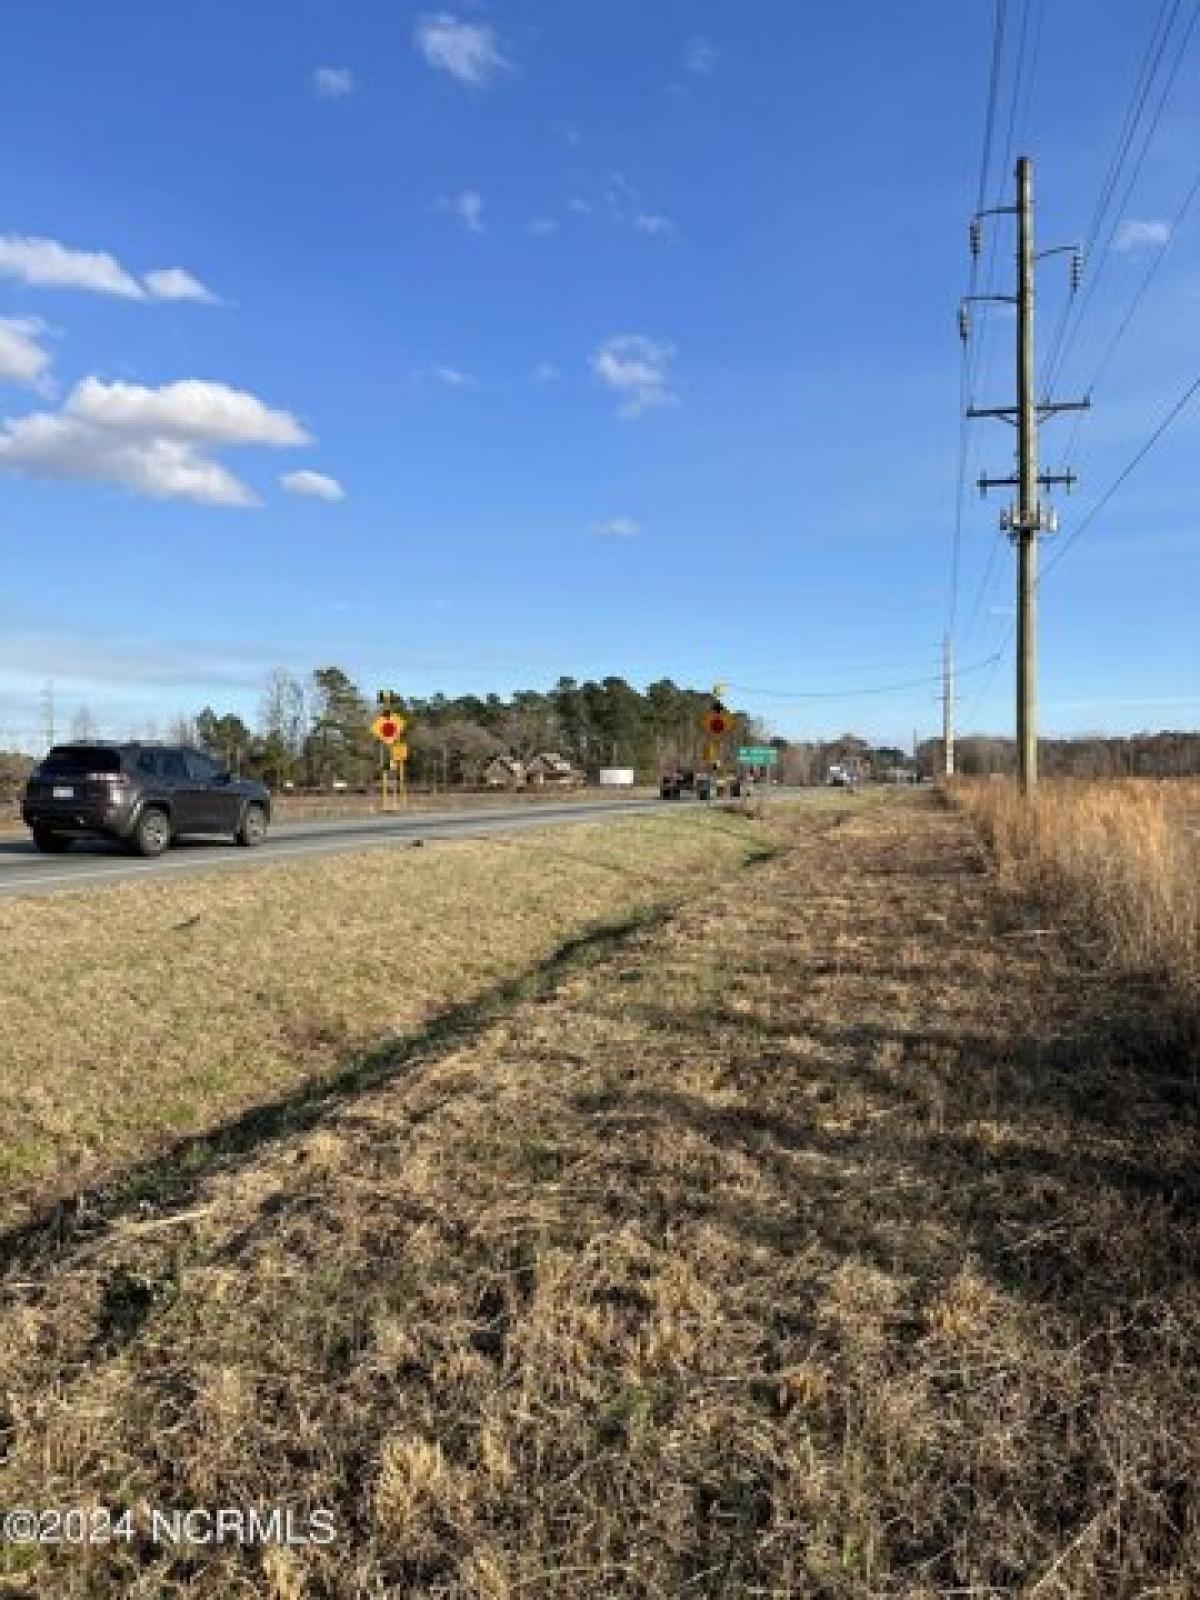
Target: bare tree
<point x="283" y="711"/>
<point x="83" y="724"/>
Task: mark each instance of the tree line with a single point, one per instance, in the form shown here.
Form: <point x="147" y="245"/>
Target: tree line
<point x="315" y="731"/>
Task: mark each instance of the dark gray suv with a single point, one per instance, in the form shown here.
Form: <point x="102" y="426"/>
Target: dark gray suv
<point x="144" y="795"/>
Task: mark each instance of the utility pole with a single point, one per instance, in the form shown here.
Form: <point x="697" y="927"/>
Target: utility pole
<point x="1028" y="518"/>
<point x="948" y="706"/>
<point x="48" y="712"/>
<point x="1029" y="511"/>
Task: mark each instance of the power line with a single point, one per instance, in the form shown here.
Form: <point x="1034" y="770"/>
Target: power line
<point x="1180" y="405"/>
<point x="1018" y="73"/>
<point x="851" y="694"/>
<point x="1023" y="116"/>
<point x="1069" y="328"/>
<point x="1137" y="98"/>
<point x="965" y="396"/>
<point x="985" y="584"/>
<point x="981" y="692"/>
<point x="1015" y="118"/>
<point x="1139" y="295"/>
<point x="978" y="367"/>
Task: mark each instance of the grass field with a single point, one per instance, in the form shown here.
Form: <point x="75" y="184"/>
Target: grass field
<point x="790" y="1223"/>
<point x="150" y="1012"/>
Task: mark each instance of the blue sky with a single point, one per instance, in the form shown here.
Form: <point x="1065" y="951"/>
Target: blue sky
<point x="468" y="347"/>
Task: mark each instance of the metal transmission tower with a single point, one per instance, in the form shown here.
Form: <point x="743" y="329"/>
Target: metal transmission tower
<point x="1028" y="518"/>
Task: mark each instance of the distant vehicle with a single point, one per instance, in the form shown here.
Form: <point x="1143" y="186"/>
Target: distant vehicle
<point x="840" y="777"/>
<point x="143" y="795"/>
<point x="674" y="785"/>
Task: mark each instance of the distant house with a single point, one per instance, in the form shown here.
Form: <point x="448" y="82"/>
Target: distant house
<point x="550" y="768"/>
<point x="504" y="772"/>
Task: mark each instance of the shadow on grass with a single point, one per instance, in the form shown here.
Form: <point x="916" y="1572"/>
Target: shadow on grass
<point x="173" y="1178"/>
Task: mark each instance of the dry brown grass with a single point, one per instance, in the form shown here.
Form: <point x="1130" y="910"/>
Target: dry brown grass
<point x="1121" y="860"/>
<point x="140" y="1014"/>
<point x="823" y="1241"/>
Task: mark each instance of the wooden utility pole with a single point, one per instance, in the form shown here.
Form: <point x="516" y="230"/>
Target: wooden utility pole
<point x="948" y="706"/>
<point x="1027" y="519"/>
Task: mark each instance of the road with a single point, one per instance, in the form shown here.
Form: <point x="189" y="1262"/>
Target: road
<point x="93" y="862"/>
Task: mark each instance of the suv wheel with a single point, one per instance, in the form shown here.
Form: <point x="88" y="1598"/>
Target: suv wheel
<point x="51" y="843"/>
<point x="253" y="828"/>
<point x="153" y="832"/>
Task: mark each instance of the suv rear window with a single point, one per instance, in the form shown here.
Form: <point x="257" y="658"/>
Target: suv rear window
<point x="77" y="759"/>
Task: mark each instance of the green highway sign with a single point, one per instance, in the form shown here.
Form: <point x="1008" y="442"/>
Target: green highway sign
<point x="757" y="755"/>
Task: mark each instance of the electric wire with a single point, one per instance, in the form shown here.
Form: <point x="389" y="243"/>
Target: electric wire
<point x="854" y="694"/>
<point x="964" y="379"/>
<point x="1127" y="471"/>
<point x="979" y="347"/>
<point x="969" y="357"/>
<point x="968" y="711"/>
<point x="1024" y="78"/>
<point x="1006" y="167"/>
<point x="1076" y="313"/>
<point x="1141" y="88"/>
<point x="1135" y="303"/>
<point x="1166" y="422"/>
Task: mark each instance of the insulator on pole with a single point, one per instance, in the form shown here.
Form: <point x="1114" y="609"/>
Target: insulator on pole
<point x="975" y="236"/>
<point x="1076" y="270"/>
<point x="964" y="324"/>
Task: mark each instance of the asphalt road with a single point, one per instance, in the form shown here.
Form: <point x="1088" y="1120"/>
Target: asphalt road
<point x="23" y="871"/>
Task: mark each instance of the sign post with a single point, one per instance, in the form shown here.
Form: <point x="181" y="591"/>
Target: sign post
<point x="388" y="727"/>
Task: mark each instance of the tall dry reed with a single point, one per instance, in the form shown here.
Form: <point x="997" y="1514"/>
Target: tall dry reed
<point x="1121" y="857"/>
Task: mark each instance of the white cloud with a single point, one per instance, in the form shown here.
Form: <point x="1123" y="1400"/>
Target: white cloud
<point x="313" y="484"/>
<point x="192" y="409"/>
<point x="468" y="51"/>
<point x="1134" y="235"/>
<point x="453" y="378"/>
<point x="546" y="372"/>
<point x="23" y="358"/>
<point x="654" y="223"/>
<point x="173" y="283"/>
<point x="543" y="227"/>
<point x="637" y="370"/>
<point x="617" y="528"/>
<point x="467" y="206"/>
<point x="700" y="57"/>
<point x="47" y="264"/>
<point x="333" y="83"/>
<point x="152" y="442"/>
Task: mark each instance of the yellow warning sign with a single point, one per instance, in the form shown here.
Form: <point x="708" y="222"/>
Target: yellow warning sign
<point x="388" y="727"/>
